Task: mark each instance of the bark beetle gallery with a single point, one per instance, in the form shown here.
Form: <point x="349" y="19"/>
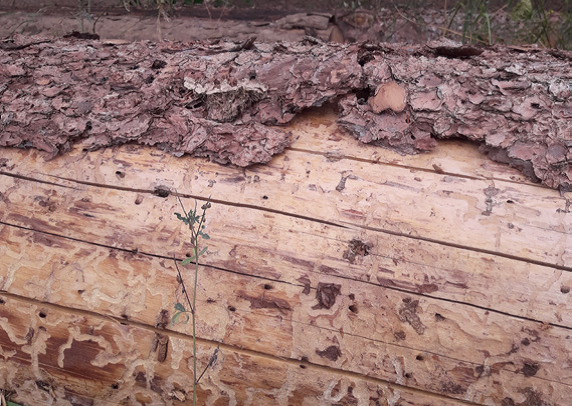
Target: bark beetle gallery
<point x="226" y="100"/>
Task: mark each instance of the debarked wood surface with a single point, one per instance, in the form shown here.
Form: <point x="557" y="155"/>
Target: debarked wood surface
<point x="337" y="273"/>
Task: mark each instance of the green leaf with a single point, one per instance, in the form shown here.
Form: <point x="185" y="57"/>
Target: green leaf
<point x="187" y="261"/>
<point x="205" y="236"/>
<point x="183" y="219"/>
<point x="175" y="318"/>
<point x="179" y="307"/>
<point x="203" y="251"/>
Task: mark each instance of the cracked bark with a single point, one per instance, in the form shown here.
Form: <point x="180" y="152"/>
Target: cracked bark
<point x="226" y="100"/>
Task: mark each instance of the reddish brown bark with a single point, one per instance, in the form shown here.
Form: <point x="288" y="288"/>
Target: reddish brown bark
<point x="224" y="99"/>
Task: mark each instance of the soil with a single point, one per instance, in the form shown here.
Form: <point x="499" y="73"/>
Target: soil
<point x="412" y="22"/>
<point x="378" y="20"/>
<point x="237" y="22"/>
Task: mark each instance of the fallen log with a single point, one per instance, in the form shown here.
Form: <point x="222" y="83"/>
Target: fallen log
<point x="223" y="99"/>
<point x="337" y="273"/>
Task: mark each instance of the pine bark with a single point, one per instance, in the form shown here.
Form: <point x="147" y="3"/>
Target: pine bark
<point x="224" y="99"/>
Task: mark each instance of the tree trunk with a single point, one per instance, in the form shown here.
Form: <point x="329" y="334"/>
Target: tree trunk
<point x="224" y="100"/>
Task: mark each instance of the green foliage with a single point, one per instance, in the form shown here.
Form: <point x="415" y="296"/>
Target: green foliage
<point x="522" y="10"/>
<point x="180" y="310"/>
<point x="195" y="222"/>
<point x="537" y="24"/>
<point x="514" y="22"/>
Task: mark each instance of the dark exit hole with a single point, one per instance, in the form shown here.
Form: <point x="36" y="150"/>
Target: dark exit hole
<point x="232" y="308"/>
<point x="115" y="386"/>
<point x="353" y="308"/>
<point x="363" y="95"/>
<point x="42" y="315"/>
<point x="161" y="192"/>
<point x="120" y="174"/>
<point x="419" y="357"/>
<point x="267" y="286"/>
<point x="303" y="366"/>
<point x="265" y="197"/>
<point x="408" y="375"/>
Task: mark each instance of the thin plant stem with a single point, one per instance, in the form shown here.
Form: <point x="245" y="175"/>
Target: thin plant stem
<point x="195" y="224"/>
<point x="183" y="284"/>
<point x="195" y="380"/>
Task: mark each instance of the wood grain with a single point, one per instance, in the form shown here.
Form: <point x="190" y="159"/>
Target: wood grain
<point x="434" y="277"/>
<point x="499" y="217"/>
<point x="77" y="358"/>
<point x="426" y="336"/>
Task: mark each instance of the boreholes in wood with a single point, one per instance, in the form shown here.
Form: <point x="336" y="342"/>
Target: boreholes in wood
<point x="162" y="191"/>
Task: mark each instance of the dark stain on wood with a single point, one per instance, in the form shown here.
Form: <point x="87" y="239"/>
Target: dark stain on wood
<point x="162" y="191"/>
<point x="326" y="295"/>
<point x="357" y="249"/>
<point x="453" y="388"/>
<point x="29" y="335"/>
<point x="328" y="270"/>
<point x="305" y="280"/>
<point x="78" y="357"/>
<point x="530" y="368"/>
<point x="156" y="384"/>
<point x="408" y="313"/>
<point x="439" y="317"/>
<point x="332" y="353"/>
<point x="264" y="302"/>
<point x="428" y="288"/>
<point x="533" y="398"/>
<point x="50" y="241"/>
<point x="162" y="347"/>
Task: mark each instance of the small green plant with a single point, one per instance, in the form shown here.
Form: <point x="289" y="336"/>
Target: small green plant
<point x="195" y="221"/>
<point x="476" y="21"/>
<point x="537" y="24"/>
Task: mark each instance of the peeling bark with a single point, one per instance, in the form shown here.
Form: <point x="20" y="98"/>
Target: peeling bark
<point x="224" y="100"/>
